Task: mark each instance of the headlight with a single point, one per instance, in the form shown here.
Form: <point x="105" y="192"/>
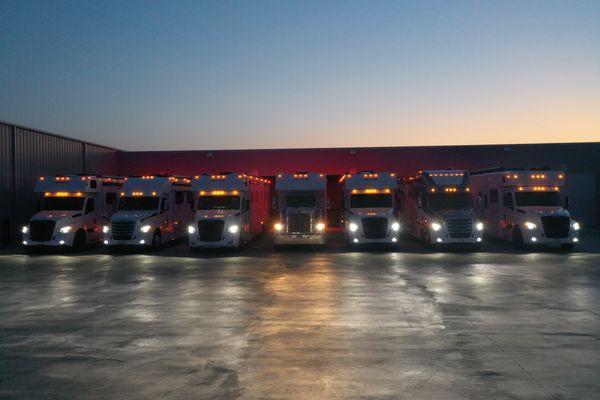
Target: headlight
<point x="395" y="226"/>
<point x="145" y="228"/>
<point x="320" y="226"/>
<point x="105" y="229"/>
<point x="353" y="227"/>
<point x="435" y="226"/>
<point x="278" y="227"/>
<point x="479" y="226"/>
<point x="234" y="229"/>
<point x="65" y="229"/>
<point x="576" y="226"/>
<point x="191" y="229"/>
<point x="530" y="225"/>
<point x="25" y="229"/>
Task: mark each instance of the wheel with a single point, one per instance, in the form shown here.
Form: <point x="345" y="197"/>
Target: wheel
<point x="567" y="247"/>
<point x="517" y="238"/>
<point x="79" y="241"/>
<point x="156" y="240"/>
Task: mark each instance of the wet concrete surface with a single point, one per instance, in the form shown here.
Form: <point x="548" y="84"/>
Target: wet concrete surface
<point x="332" y="323"/>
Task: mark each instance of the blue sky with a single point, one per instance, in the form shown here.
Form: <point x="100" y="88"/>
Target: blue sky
<point x="272" y="74"/>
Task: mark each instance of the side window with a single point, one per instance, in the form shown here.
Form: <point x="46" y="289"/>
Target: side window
<point x="507" y="200"/>
<point x="178" y="197"/>
<point x="111" y="199"/>
<point x="494" y="196"/>
<point x="89" y="206"/>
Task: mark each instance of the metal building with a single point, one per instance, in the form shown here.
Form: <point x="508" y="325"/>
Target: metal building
<point x="27" y="153"/>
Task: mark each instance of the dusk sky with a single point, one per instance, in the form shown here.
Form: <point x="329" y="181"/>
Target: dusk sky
<point x="143" y="75"/>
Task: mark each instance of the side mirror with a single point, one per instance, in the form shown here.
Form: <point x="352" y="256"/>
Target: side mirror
<point x="566" y="202"/>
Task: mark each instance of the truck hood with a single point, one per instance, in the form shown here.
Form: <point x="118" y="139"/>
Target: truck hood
<point x="54" y="215"/>
<point x="133" y="215"/>
<point x="211" y="214"/>
<point x="546" y="211"/>
<point x="372" y="212"/>
<point x="445" y="214"/>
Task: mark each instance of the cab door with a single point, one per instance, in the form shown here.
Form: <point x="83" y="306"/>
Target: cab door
<point x="507" y="215"/>
<point x="90" y="222"/>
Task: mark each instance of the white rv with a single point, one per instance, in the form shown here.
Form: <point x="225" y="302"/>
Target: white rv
<point x="232" y="209"/>
<point x="152" y="210"/>
<point x="73" y="209"/>
<point x="525" y="206"/>
<point x="302" y="205"/>
<point x="437" y="207"/>
<point x="369" y="208"/>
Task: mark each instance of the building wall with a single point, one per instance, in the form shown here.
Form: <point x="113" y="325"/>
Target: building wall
<point x="26" y="154"/>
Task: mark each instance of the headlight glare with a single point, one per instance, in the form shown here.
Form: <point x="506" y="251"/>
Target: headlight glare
<point x="435" y="226"/>
<point x="576" y="226"/>
<point x="278" y="226"/>
<point x="530" y="225"/>
<point x="145" y="228"/>
<point x="320" y="226"/>
<point x="353" y="227"/>
<point x="65" y="229"/>
<point x="395" y="226"/>
<point x="479" y="226"/>
<point x="191" y="229"/>
<point x="25" y="229"/>
<point x="105" y="229"/>
<point x="234" y="229"/>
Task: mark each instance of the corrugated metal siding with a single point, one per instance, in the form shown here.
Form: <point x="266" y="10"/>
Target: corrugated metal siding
<point x="6" y="206"/>
<point x="100" y="160"/>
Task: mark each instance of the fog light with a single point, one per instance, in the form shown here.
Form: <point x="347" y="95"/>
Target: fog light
<point x="575" y="240"/>
<point x="479" y="239"/>
<point x="61" y="242"/>
<point x="106" y="242"/>
<point x="534" y="239"/>
<point x="439" y="240"/>
<point x="25" y="242"/>
<point x="355" y="240"/>
<point x="394" y="240"/>
<point x="142" y="241"/>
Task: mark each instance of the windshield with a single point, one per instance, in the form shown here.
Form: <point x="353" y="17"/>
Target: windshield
<point x="301" y="201"/>
<point x="138" y="203"/>
<point x="63" y="203"/>
<point x="370" y="200"/>
<point x="449" y="201"/>
<point x="219" y="203"/>
<point x="525" y="199"/>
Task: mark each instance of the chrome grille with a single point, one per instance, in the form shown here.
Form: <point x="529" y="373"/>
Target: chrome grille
<point x="460" y="227"/>
<point x="210" y="230"/>
<point x="299" y="223"/>
<point x="122" y="230"/>
<point x="556" y="227"/>
<point x="41" y="231"/>
<point x="375" y="227"/>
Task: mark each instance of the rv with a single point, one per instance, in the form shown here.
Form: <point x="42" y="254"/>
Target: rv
<point x="437" y="207"/>
<point x="302" y="205"/>
<point x="232" y="209"/>
<point x="369" y="208"/>
<point x="72" y="210"/>
<point x="152" y="210"/>
<point x="525" y="206"/>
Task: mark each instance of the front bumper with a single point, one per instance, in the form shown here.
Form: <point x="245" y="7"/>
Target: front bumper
<point x="537" y="237"/>
<point x="228" y="240"/>
<point x="138" y="239"/>
<point x="58" y="240"/>
<point x="300" y="239"/>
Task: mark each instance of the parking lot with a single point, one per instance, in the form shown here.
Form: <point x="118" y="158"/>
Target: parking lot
<point x="331" y="323"/>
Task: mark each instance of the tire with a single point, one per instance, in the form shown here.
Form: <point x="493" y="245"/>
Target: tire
<point x="517" y="238"/>
<point x="156" y="240"/>
<point x="567" y="247"/>
<point x="79" y="241"/>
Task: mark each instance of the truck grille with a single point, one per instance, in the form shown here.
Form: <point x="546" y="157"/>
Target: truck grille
<point x="122" y="230"/>
<point x="375" y="227"/>
<point x="41" y="231"/>
<point x="299" y="223"/>
<point x="459" y="227"/>
<point x="556" y="227"/>
<point x="210" y="230"/>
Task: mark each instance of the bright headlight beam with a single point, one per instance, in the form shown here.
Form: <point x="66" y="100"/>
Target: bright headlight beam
<point x="320" y="226"/>
<point x="191" y="230"/>
<point x="435" y="226"/>
<point x="479" y="226"/>
<point x="395" y="226"/>
<point x="145" y="228"/>
<point x="530" y="225"/>
<point x="234" y="229"/>
<point x="65" y="229"/>
<point x="105" y="229"/>
<point x="25" y="229"/>
<point x="278" y="226"/>
<point x="576" y="226"/>
<point x="353" y="227"/>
